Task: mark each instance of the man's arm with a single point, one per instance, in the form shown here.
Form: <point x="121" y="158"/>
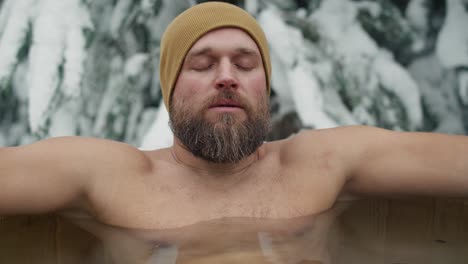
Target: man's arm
<point x="379" y="161"/>
<point x="58" y="173"/>
<point x="360" y="160"/>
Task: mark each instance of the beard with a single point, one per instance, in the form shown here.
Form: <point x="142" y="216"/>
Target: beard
<point x="226" y="139"/>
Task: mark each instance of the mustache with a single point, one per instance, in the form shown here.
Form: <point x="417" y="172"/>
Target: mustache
<point x="227" y="95"/>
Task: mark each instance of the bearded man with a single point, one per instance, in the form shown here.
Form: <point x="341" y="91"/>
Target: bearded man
<point x="215" y="76"/>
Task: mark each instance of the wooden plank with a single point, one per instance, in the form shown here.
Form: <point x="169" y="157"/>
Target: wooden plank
<point x="447" y="239"/>
<point x="28" y="240"/>
<point x="405" y="231"/>
<point x="76" y="246"/>
<point x="46" y="240"/>
<point x="409" y="228"/>
<point x="364" y="232"/>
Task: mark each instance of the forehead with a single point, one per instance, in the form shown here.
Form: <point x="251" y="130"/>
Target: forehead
<point x="225" y="38"/>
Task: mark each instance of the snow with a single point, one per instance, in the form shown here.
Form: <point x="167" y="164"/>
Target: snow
<point x="417" y="15"/>
<point x="452" y="42"/>
<point x="373" y="8"/>
<point x="122" y="9"/>
<point x="334" y="18"/>
<point x="57" y="40"/>
<point x="14" y="18"/>
<point x="75" y="48"/>
<point x="5" y="12"/>
<point x="45" y="55"/>
<point x="463" y="87"/>
<point x="296" y="77"/>
<point x="135" y="64"/>
<point x="63" y="121"/>
<point x="251" y="6"/>
<point x="395" y="78"/>
<point x="339" y="79"/>
<point x="281" y="53"/>
<point x="283" y="39"/>
<point x="416" y="12"/>
<point x="436" y="85"/>
<point x="337" y="24"/>
<point x="110" y="95"/>
<point x="353" y="46"/>
<point x="308" y="97"/>
<point x="159" y="135"/>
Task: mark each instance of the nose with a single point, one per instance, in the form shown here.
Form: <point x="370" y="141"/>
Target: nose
<point x="226" y="78"/>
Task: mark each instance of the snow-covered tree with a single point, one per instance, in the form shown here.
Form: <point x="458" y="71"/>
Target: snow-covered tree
<point x="80" y="67"/>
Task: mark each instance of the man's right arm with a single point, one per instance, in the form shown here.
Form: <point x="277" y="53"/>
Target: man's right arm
<point x="57" y="173"/>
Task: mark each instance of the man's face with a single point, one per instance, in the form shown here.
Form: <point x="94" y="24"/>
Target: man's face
<point x="219" y="107"/>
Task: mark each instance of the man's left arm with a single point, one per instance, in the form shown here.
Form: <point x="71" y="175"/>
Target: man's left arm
<point x="394" y="163"/>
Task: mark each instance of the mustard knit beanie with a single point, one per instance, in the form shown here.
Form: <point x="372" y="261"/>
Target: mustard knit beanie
<point x="191" y="25"/>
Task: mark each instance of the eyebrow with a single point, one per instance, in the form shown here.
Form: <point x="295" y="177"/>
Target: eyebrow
<point x="207" y="50"/>
<point x="200" y="52"/>
<point x="246" y="51"/>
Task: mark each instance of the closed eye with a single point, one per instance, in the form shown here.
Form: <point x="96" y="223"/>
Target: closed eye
<point x="201" y="62"/>
<point x="244" y="68"/>
<point x="246" y="62"/>
<point x="201" y="68"/>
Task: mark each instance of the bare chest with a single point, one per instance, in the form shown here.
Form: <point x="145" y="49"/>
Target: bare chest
<point x="172" y="200"/>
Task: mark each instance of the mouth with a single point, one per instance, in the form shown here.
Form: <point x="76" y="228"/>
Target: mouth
<point x="226" y="104"/>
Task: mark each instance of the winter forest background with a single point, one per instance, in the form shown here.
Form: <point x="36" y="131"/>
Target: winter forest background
<point x="90" y="68"/>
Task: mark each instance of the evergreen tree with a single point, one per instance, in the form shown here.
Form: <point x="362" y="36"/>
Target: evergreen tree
<point x="77" y="67"/>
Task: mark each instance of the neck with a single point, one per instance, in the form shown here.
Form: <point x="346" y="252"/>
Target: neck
<point x="224" y="172"/>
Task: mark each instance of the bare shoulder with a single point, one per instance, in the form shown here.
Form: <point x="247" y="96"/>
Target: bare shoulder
<point x="335" y="149"/>
<point x="331" y="138"/>
<point x="309" y="143"/>
<point x="62" y="173"/>
<point x="99" y="165"/>
<point x="85" y="152"/>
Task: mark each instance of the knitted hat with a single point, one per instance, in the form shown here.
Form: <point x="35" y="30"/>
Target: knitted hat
<point x="191" y="25"/>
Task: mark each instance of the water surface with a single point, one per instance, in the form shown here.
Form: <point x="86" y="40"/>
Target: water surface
<point x="365" y="231"/>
